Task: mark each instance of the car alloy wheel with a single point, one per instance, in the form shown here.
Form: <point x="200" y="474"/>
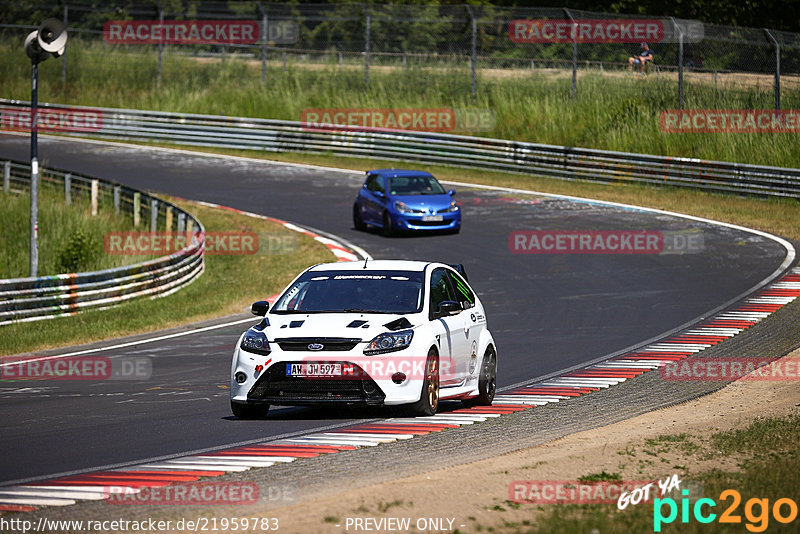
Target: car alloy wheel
<point x="358" y="222"/>
<point x="388" y="231"/>
<point x="487" y="381"/>
<point x="429" y="396"/>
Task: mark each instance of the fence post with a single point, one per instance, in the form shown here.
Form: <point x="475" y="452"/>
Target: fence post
<point x="94" y="197"/>
<point x="7" y="177"/>
<point x="64" y="56"/>
<point x="285" y="61"/>
<point x="190" y="231"/>
<point x="137" y="204"/>
<point x="340" y="58"/>
<point x="474" y="50"/>
<point x="117" y="198"/>
<point x="574" y="54"/>
<point x="777" y="69"/>
<point x="366" y="46"/>
<point x="181" y="222"/>
<point x="153" y="215"/>
<point x="680" y="62"/>
<point x="168" y="221"/>
<point x="264" y="36"/>
<point x="160" y="43"/>
<point x="68" y="188"/>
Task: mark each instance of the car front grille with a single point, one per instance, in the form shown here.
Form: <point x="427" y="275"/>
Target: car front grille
<point x="328" y="343"/>
<point x="275" y="387"/>
<point x="430" y="223"/>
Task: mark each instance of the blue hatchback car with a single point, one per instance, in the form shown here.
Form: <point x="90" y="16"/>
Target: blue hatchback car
<point x="395" y="200"/>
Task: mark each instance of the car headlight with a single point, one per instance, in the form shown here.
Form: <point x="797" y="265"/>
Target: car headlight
<point x="401" y="207"/>
<point x="453" y="207"/>
<point x="389" y="342"/>
<point x="255" y="341"/>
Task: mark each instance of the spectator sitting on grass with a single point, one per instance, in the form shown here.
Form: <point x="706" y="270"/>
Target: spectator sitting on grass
<point x="644" y="56"/>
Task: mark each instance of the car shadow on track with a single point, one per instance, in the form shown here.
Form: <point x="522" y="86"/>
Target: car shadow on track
<point x="342" y="413"/>
<point x="398" y="234"/>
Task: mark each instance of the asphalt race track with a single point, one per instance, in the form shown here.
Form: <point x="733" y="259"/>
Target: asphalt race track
<point x="547" y="312"/>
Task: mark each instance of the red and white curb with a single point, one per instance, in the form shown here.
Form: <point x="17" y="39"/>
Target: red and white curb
<point x="97" y="485"/>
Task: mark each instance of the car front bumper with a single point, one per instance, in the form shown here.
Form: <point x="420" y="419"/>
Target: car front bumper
<point x="368" y="379"/>
<point x="450" y="221"/>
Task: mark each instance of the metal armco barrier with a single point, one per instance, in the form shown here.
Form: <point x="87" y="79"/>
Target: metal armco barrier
<point x="33" y="299"/>
<point x="474" y="152"/>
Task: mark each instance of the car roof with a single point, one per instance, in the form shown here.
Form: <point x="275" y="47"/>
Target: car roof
<point x="375" y="265"/>
<point x="390" y="173"/>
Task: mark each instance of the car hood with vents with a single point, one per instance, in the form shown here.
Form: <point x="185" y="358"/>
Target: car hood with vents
<point x="351" y="325"/>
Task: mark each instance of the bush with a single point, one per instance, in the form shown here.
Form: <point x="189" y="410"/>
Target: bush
<point x="77" y="254"/>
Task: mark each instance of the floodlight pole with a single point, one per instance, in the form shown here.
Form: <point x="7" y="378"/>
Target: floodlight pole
<point x="34" y="263"/>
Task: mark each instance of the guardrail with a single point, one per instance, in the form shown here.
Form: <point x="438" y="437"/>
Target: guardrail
<point x="474" y="152"/>
<point x="45" y="297"/>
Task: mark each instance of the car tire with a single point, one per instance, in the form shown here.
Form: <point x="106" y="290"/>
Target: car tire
<point x="246" y="410"/>
<point x="358" y="222"/>
<point x="428" y="401"/>
<point x="388" y="231"/>
<point x="487" y="381"/>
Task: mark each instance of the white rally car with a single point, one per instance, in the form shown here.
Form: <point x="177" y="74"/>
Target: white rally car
<point x="372" y="333"/>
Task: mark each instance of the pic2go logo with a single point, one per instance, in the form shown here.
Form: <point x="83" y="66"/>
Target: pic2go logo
<point x="756" y="511"/>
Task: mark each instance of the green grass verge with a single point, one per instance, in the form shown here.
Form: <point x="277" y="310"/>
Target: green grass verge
<point x="70" y="239"/>
<point x="229" y="285"/>
<point x="768" y="450"/>
<point x="613" y="111"/>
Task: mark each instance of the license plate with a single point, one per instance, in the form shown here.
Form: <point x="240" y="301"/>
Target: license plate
<point x="313" y="369"/>
<point x="432" y="218"/>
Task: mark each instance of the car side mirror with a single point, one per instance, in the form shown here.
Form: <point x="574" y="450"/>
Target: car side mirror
<point x="448" y="307"/>
<point x="452" y="192"/>
<point x="380" y="194"/>
<point x="260" y="308"/>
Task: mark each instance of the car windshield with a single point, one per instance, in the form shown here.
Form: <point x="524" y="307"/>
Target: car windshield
<point x="353" y="291"/>
<point x="415" y="185"/>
